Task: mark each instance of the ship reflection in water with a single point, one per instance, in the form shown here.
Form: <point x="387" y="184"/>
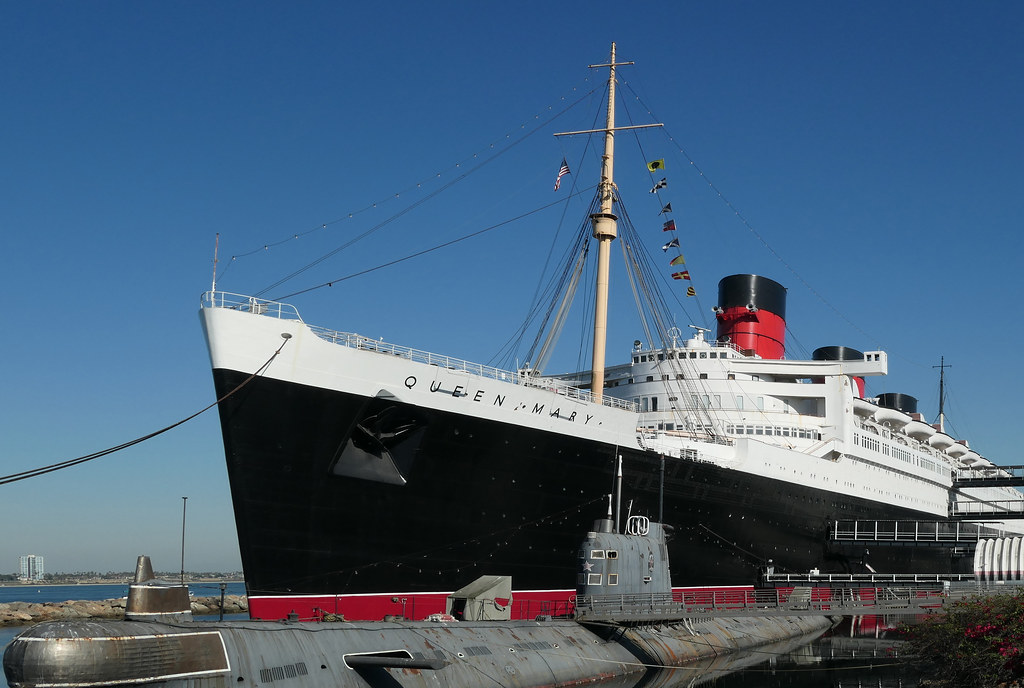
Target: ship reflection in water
<point x="819" y="663"/>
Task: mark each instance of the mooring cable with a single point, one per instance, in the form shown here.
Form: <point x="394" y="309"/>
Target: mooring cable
<point x="35" y="472"/>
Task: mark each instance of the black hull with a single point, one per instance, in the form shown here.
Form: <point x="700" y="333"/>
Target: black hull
<point x="487" y="498"/>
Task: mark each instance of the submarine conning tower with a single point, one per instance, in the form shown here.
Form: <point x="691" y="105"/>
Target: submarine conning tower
<point x="751" y="314"/>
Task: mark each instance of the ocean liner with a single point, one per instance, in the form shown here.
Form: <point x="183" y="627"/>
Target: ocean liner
<point x="369" y="478"/>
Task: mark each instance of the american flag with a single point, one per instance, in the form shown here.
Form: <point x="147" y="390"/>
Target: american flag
<point x="562" y="171"/>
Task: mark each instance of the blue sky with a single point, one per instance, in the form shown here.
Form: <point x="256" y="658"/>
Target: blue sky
<point x="874" y="149"/>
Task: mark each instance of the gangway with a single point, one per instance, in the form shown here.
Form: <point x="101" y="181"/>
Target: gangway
<point x="988" y="510"/>
<point x="917" y="533"/>
<point x="989" y="476"/>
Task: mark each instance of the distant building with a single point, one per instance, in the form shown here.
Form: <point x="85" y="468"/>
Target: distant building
<point x="31" y="568"/>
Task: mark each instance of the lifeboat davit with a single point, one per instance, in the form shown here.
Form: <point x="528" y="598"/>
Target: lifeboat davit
<point x="919" y="430"/>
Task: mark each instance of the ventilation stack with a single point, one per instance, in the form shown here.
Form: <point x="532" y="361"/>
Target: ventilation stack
<point x="841" y="353"/>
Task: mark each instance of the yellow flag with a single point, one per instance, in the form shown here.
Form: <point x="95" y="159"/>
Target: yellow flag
<point x="655" y="165"/>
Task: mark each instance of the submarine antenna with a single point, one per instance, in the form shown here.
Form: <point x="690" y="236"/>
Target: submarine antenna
<point x="618" y="496"/>
<point x="661" y="492"/>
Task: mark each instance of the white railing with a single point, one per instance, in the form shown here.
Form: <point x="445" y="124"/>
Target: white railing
<point x="284" y="311"/>
<point x="249" y="304"/>
<point x="911" y="531"/>
<point x="999" y="507"/>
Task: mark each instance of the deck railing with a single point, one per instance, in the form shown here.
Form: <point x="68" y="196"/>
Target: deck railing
<point x="796" y="600"/>
<point x="284" y="311"/>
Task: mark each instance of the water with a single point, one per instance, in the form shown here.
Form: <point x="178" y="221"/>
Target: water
<point x="63" y="593"/>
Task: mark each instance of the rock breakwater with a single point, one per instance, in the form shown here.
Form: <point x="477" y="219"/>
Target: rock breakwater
<point x="26" y="613"/>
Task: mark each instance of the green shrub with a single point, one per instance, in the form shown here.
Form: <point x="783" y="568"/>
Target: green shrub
<point x="976" y="642"/>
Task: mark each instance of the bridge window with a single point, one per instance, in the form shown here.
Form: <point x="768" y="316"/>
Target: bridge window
<point x="594" y="579"/>
<point x="613" y="579"/>
<point x="597" y="554"/>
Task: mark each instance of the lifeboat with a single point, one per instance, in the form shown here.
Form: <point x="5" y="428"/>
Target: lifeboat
<point x="941" y="441"/>
<point x="863" y="408"/>
<point x="971" y="458"/>
<point x="891" y="417"/>
<point x="957" y="449"/>
<point x="919" y="430"/>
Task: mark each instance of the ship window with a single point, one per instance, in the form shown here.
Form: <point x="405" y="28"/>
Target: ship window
<point x="581" y="579"/>
<point x="703" y="376"/>
<point x="680" y="376"/>
<point x="613" y="554"/>
<point x="693" y="354"/>
<point x="613" y="579"/>
<point x="636" y="359"/>
<point x="650" y="378"/>
<point x="654" y="403"/>
<point x="597" y="554"/>
<point x="703" y="354"/>
<point x="583" y="554"/>
<point x="725" y="354"/>
<point x="730" y="376"/>
<point x="594" y="579"/>
<point x="713" y="354"/>
<point x="661" y="357"/>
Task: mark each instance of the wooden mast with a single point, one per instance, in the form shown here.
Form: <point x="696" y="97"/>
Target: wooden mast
<point x="605" y="230"/>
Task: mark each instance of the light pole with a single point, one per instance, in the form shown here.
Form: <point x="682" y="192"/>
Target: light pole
<point x="184" y="503"/>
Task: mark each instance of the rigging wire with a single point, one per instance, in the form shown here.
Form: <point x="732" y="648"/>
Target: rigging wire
<point x="750" y="228"/>
<point x="417" y="185"/>
<point x="409" y="208"/>
<point x="417" y="254"/>
<point x="43" y="470"/>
